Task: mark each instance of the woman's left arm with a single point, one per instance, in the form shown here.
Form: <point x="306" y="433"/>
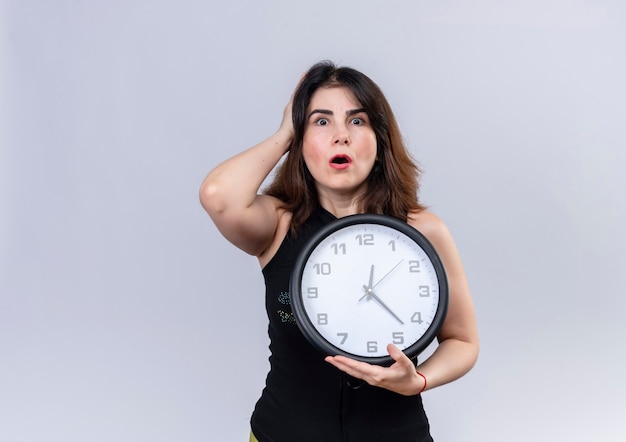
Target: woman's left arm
<point x="458" y="340"/>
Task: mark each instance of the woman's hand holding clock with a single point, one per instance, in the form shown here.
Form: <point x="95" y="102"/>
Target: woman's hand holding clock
<point x="401" y="377"/>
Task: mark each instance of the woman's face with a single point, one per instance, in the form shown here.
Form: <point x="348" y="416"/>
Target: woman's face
<point x="339" y="145"/>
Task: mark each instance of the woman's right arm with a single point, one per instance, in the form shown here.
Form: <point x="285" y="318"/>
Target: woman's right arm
<point x="229" y="193"/>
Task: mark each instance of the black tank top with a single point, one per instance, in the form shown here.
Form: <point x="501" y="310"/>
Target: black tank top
<point x="305" y="398"/>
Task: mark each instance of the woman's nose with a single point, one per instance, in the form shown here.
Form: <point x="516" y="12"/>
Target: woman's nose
<point x="342" y="137"/>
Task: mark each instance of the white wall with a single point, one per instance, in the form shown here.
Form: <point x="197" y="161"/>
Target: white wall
<point x="125" y="316"/>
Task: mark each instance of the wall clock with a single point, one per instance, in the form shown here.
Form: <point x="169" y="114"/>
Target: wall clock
<point x="367" y="280"/>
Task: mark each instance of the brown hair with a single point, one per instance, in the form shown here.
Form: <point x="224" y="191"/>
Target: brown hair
<point x="392" y="185"/>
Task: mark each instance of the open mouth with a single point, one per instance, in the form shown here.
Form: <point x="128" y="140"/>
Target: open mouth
<point x="340" y="160"/>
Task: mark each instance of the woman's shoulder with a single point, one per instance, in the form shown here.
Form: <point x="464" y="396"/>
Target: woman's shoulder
<point x="430" y="225"/>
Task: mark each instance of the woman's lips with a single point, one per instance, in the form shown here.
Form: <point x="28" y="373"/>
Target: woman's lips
<point x="340" y="162"/>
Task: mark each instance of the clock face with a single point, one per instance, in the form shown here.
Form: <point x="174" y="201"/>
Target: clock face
<point x="365" y="281"/>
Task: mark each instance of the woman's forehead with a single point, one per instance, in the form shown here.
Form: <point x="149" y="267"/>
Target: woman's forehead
<point x="333" y="96"/>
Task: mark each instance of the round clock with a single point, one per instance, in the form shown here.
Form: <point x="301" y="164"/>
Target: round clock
<point x="364" y="281"/>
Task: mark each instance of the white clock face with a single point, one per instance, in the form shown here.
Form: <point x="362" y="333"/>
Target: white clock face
<point x="367" y="285"/>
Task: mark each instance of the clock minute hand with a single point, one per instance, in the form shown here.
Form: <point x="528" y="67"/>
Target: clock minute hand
<point x="370" y="294"/>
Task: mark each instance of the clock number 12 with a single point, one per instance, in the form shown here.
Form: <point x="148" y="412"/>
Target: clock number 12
<point x="367" y="239"/>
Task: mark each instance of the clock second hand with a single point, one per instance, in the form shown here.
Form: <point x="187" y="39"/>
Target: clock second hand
<point x="386" y="274"/>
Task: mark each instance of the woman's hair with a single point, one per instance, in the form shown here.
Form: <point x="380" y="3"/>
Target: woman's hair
<point x="392" y="185"/>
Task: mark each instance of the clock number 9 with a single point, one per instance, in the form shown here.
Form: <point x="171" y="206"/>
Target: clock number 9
<point x="311" y="292"/>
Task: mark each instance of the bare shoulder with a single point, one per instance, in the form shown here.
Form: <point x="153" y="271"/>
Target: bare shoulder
<point x="430" y="225"/>
<point x="433" y="228"/>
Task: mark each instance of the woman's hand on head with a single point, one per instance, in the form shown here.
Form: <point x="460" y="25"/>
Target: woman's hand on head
<point x="286" y="124"/>
<point x="401" y="377"/>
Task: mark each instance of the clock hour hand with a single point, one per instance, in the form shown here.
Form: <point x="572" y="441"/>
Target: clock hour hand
<point x="370" y="294"/>
<point x="368" y="287"/>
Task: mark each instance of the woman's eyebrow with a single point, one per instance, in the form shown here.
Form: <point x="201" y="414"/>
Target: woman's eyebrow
<point x="329" y="112"/>
<point x="320" y="111"/>
<point x="356" y="111"/>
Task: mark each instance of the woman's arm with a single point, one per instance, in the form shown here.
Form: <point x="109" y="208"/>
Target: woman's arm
<point x="458" y="339"/>
<point x="229" y="193"/>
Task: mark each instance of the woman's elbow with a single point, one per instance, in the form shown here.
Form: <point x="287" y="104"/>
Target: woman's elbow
<point x="211" y="198"/>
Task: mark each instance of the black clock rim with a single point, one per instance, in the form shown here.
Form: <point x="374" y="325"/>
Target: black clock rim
<point x="306" y="326"/>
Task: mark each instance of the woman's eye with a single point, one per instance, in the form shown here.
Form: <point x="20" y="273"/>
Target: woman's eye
<point x="322" y="122"/>
<point x="357" y="121"/>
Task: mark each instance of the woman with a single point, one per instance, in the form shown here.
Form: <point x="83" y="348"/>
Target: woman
<point x="345" y="155"/>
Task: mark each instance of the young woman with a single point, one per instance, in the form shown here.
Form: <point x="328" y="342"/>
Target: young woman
<point x="344" y="155"/>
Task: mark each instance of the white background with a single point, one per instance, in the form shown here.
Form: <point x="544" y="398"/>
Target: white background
<point x="125" y="316"/>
